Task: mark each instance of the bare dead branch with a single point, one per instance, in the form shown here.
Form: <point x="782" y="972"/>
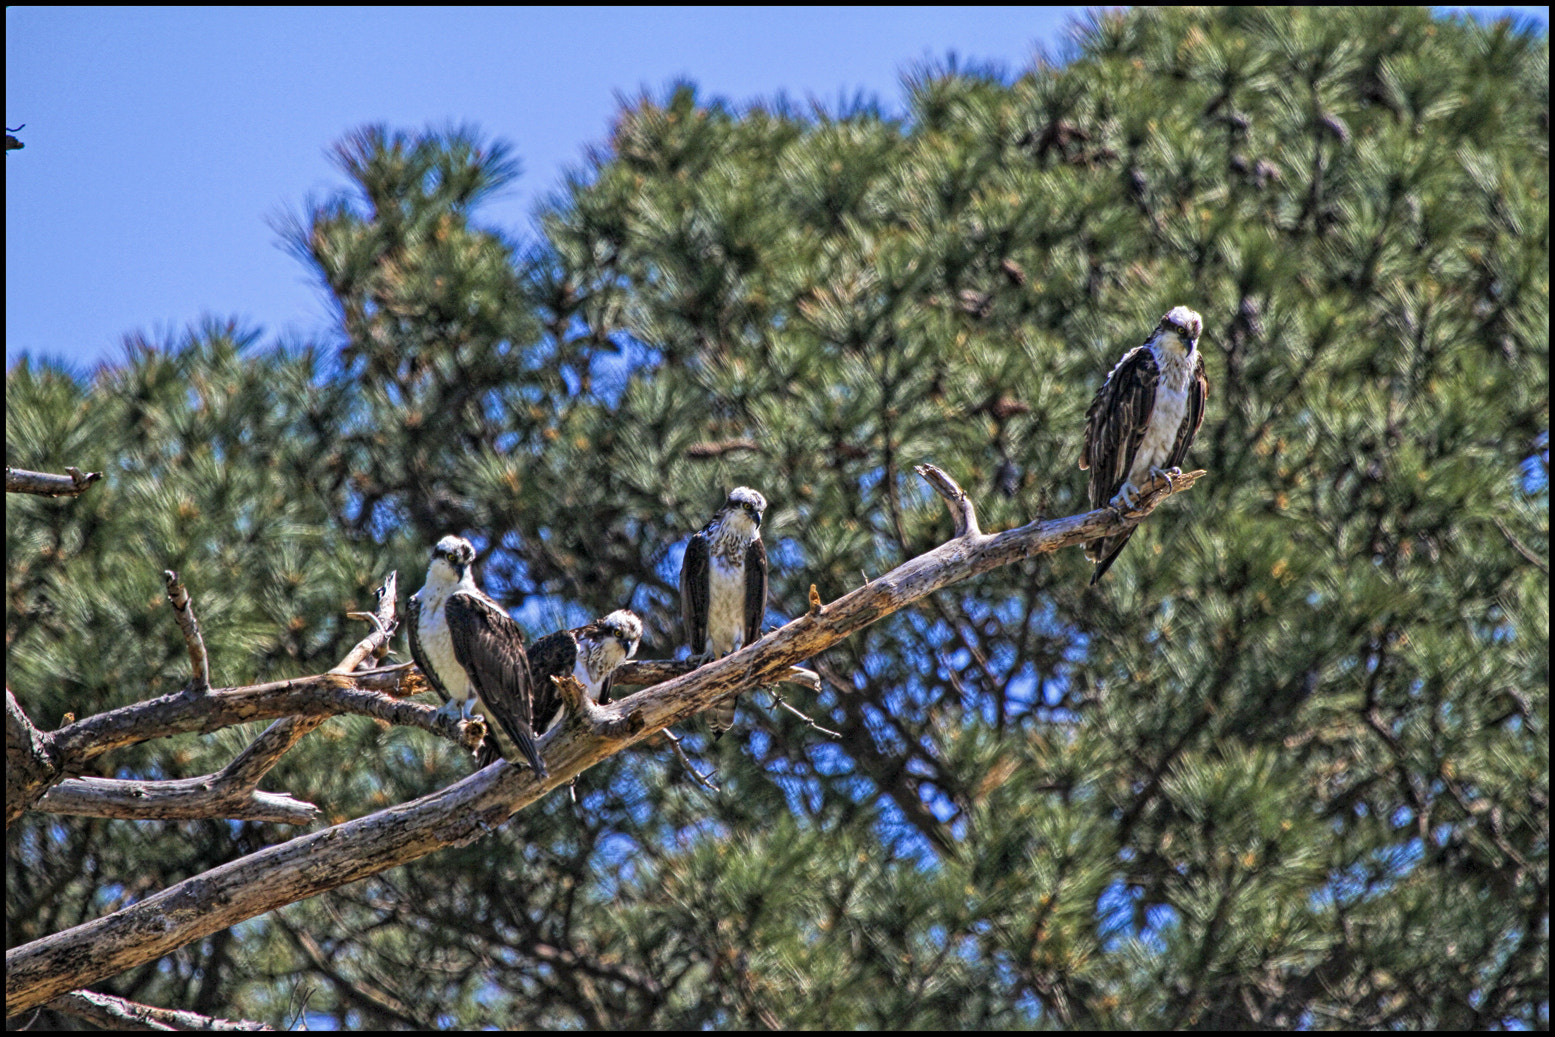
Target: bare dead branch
<point x="264" y="752"/>
<point x="777" y="700"/>
<point x="203" y="797"/>
<point x="37" y="759"/>
<point x="31" y="762"/>
<point x="189" y="626"/>
<point x="321" y="695"/>
<point x="465" y="811"/>
<point x="46" y="484"/>
<point x="384" y="624"/>
<point x="643" y="672"/>
<point x="116" y="1013"/>
<point x="960" y="505"/>
<point x="704" y="780"/>
<point x="230" y="793"/>
<point x="581" y="709"/>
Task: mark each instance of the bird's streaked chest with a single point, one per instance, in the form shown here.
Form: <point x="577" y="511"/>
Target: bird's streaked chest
<point x="596" y="661"/>
<point x="726" y="604"/>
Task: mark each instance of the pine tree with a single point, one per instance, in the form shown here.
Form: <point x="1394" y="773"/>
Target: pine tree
<point x="1286" y="766"/>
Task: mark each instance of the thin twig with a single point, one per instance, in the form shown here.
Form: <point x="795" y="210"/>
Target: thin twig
<point x="685" y="761"/>
<point x="647" y="672"/>
<point x="809" y="722"/>
<point x="183" y="612"/>
<point x="1521" y="548"/>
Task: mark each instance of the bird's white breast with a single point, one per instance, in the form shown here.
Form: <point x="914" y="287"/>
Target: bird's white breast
<point x="725" y="605"/>
<point x="438" y="643"/>
<point x="590" y="683"/>
<point x="1171" y="407"/>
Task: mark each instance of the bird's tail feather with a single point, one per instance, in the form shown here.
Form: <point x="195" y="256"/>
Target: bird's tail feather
<point x="721" y="716"/>
<point x="515" y="746"/>
<point x="1104" y="552"/>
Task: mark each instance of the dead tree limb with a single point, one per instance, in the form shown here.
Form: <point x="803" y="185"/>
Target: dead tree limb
<point x="46" y="755"/>
<point x="643" y="672"/>
<point x="465" y="811"/>
<point x="254" y="762"/>
<point x="32" y="763"/>
<point x="189" y="626"/>
<point x="204" y="797"/>
<point x="233" y="791"/>
<point x="47" y="484"/>
<point x="116" y="1013"/>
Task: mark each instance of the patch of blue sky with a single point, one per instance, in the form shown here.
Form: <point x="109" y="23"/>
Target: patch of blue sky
<point x="1121" y="918"/>
<point x="1374" y="876"/>
<point x="903" y="839"/>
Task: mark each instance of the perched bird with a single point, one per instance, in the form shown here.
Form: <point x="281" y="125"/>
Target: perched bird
<point x="723" y="586"/>
<point x="472" y="652"/>
<point x="590" y="653"/>
<point x="1143" y="420"/>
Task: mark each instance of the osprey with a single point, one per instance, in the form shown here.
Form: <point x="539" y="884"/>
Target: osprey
<point x="590" y="653"/>
<point x="1143" y="420"/>
<point x="472" y="651"/>
<point x="723" y="586"/>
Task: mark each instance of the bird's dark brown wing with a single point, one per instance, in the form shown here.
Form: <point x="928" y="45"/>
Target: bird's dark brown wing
<point x="552" y="656"/>
<point x="490" y="647"/>
<point x="694" y="591"/>
<point x="755" y="590"/>
<point x="1115" y="423"/>
<point x="1114" y="427"/>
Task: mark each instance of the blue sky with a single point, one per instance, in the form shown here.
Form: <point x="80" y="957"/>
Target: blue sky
<point x="162" y="144"/>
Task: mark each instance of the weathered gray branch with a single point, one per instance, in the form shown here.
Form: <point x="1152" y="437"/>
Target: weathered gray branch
<point x="313" y="863"/>
<point x="384" y="624"/>
<point x="31" y="762"/>
<point x="961" y="511"/>
<point x="275" y="741"/>
<point x="39" y="759"/>
<point x="203" y="797"/>
<point x="324" y="694"/>
<point x="47" y="484"/>
<point x="643" y="672"/>
<point x="116" y="1013"/>
<point x="231" y="792"/>
<point x="189" y="626"/>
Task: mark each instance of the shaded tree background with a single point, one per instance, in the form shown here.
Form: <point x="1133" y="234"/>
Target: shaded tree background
<point x="1287" y="766"/>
